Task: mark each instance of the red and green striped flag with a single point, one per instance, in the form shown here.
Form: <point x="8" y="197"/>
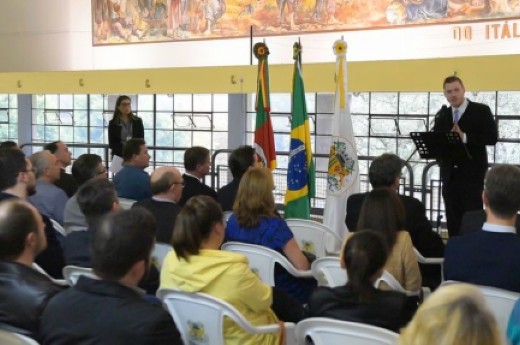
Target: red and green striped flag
<point x="300" y="172"/>
<point x="264" y="137"/>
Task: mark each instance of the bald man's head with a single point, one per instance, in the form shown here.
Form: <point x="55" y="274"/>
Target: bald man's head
<point x="167" y="181"/>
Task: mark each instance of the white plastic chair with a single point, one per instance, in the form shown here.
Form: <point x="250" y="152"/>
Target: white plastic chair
<point x="262" y="261"/>
<point x="325" y="331"/>
<point x="72" y="273"/>
<point x="430" y="261"/>
<point x="58" y="227"/>
<point x="390" y="280"/>
<point x="200" y="317"/>
<point x="160" y="250"/>
<point x="328" y="272"/>
<point x="313" y="237"/>
<point x="9" y="338"/>
<point x="501" y="302"/>
<point x="126" y="204"/>
<point x="61" y="282"/>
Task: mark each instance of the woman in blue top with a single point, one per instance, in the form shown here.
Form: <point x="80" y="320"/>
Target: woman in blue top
<point x="255" y="221"/>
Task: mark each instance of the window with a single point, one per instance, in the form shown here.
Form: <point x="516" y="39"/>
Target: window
<point x="8" y="117"/>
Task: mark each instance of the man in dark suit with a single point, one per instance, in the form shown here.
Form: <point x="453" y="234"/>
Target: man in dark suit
<point x="111" y="310"/>
<point x="463" y="180"/>
<point x="385" y="172"/>
<point x="63" y="159"/>
<point x="491" y="256"/>
<point x="167" y="185"/>
<point x="240" y="160"/>
<point x="196" y="163"/>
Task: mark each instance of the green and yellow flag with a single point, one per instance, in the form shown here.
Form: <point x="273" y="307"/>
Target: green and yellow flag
<point x="300" y="172"/>
<point x="264" y="136"/>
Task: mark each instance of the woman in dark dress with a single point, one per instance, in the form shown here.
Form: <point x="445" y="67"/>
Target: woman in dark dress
<point x="123" y="126"/>
<point x="364" y="257"/>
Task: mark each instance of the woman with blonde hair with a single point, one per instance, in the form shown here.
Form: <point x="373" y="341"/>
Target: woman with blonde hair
<point x="196" y="264"/>
<point x="454" y="314"/>
<point x="255" y="221"/>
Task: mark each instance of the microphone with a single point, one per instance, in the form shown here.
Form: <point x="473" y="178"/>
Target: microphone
<point x="443" y="110"/>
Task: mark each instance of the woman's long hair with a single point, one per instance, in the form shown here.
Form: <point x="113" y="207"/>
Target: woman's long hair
<point x="383" y="211"/>
<point x="254" y="197"/>
<point x="365" y="253"/>
<point x="117" y="112"/>
<point x="194" y="224"/>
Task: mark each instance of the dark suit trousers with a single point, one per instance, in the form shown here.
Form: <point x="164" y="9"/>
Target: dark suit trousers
<point x="461" y="194"/>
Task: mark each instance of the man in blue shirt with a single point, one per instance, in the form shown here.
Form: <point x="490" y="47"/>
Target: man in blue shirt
<point x="132" y="182"/>
<point x="491" y="257"/>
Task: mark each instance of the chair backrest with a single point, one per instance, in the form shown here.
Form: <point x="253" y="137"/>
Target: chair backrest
<point x="328" y="272"/>
<point x="325" y="331"/>
<point x="160" y="250"/>
<point x="262" y="261"/>
<point x="38" y="268"/>
<point x="126" y="204"/>
<point x="501" y="303"/>
<point x="72" y="273"/>
<point x="393" y="283"/>
<point x="200" y="317"/>
<point x="58" y="227"/>
<point x="312" y="236"/>
<point x="9" y="338"/>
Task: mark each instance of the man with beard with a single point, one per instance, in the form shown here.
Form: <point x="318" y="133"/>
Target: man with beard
<point x="24" y="292"/>
<point x="110" y="310"/>
<point x="18" y="180"/>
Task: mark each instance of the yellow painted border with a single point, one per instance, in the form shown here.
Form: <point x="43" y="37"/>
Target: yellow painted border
<point x="479" y="73"/>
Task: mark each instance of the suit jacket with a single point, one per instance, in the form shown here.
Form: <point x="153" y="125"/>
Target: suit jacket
<point x="226" y="195"/>
<point x="472" y="221"/>
<point x="481" y="130"/>
<point x="51" y="259"/>
<point x="67" y="183"/>
<point x="24" y="293"/>
<point x="389" y="309"/>
<point x="193" y="187"/>
<point x="114" y="134"/>
<point x="165" y="214"/>
<point x="105" y="312"/>
<point x="426" y="241"/>
<point x="484" y="258"/>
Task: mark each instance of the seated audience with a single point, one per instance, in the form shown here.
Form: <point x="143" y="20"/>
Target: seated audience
<point x="112" y="310"/>
<point x="87" y="166"/>
<point x="255" y="221"/>
<point x="364" y="257"/>
<point x="49" y="199"/>
<point x="132" y="182"/>
<point x="385" y="172"/>
<point x="17" y="181"/>
<point x="240" y="160"/>
<point x="455" y="314"/>
<point x="96" y="198"/>
<point x="382" y="211"/>
<point x="8" y="145"/>
<point x="24" y="292"/>
<point x="197" y="163"/>
<point x="198" y="265"/>
<point x="63" y="158"/>
<point x="167" y="185"/>
<point x="492" y="256"/>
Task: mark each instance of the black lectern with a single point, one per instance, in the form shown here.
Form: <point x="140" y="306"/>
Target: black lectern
<point x="441" y="146"/>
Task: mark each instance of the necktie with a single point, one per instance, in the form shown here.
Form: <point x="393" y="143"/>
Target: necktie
<point x="456" y="116"/>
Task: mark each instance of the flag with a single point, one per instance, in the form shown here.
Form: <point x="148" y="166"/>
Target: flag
<point x="343" y="169"/>
<point x="264" y="137"/>
<point x="300" y="172"/>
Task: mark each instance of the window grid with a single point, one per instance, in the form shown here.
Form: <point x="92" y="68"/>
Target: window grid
<point x="8" y="117"/>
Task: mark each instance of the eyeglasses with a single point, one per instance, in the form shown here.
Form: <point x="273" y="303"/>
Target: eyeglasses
<point x="125" y="104"/>
<point x="29" y="170"/>
<point x="101" y="172"/>
<point x="180" y="183"/>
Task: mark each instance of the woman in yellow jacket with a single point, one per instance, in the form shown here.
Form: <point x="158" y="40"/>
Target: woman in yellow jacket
<point x="197" y="265"/>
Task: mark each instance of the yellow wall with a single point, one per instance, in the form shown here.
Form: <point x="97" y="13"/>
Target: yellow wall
<point x="478" y="73"/>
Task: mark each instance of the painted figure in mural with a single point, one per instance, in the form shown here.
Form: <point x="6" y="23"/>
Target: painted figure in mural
<point x="291" y="9"/>
<point x="101" y="20"/>
<point x="213" y="10"/>
<point x="173" y="18"/>
<point x="426" y="9"/>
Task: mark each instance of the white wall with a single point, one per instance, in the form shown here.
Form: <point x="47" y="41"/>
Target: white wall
<point x="48" y="35"/>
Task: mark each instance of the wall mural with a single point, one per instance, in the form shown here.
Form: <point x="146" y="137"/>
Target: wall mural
<point x="135" y="21"/>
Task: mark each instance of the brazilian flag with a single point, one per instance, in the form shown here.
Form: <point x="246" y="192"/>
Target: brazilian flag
<point x="301" y="171"/>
